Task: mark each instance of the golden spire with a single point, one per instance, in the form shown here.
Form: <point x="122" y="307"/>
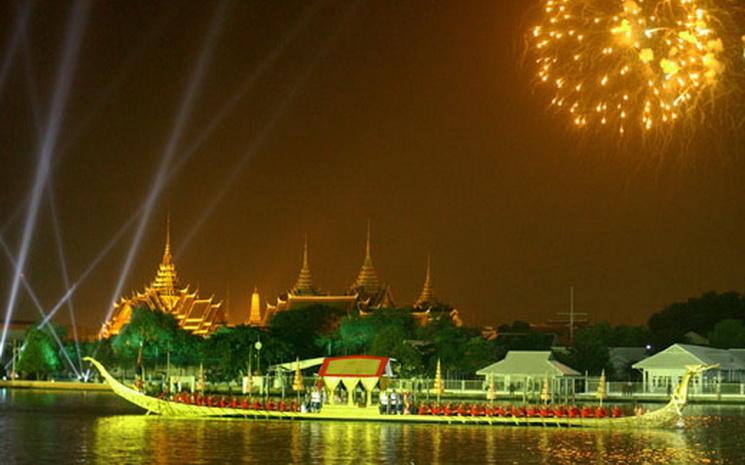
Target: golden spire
<point x="367" y="280"/>
<point x="254" y="316"/>
<point x="304" y="283"/>
<point x="167" y="257"/>
<point x="426" y="297"/>
<point x="166" y="279"/>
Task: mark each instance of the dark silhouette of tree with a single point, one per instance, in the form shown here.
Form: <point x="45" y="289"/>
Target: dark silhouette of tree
<point x="698" y="314"/>
<point x="728" y="334"/>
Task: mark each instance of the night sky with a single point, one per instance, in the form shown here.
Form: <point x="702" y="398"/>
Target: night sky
<point x="418" y="116"/>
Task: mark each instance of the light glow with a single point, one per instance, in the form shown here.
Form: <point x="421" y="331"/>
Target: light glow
<point x="632" y="64"/>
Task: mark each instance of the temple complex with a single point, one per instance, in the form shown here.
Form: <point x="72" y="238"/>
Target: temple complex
<point x="195" y="314"/>
<point x="366" y="294"/>
<point x="304" y="294"/>
<point x="427" y="307"/>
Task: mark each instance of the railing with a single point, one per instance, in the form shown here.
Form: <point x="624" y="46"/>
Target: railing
<point x="582" y="387"/>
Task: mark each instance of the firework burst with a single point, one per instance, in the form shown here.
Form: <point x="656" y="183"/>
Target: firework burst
<point x="630" y="65"/>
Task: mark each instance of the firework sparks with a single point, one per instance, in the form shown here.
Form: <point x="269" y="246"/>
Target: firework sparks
<point x="629" y="64"/>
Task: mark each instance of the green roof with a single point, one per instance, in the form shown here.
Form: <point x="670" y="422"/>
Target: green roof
<point x="677" y="356"/>
<point x="528" y="363"/>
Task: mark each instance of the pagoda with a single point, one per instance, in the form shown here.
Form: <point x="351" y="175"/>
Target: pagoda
<point x="371" y="293"/>
<point x="366" y="294"/>
<point x="304" y="294"/>
<point x="427" y="307"/>
<point x="200" y="316"/>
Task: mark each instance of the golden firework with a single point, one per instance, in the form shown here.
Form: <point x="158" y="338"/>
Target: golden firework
<point x="628" y="64"/>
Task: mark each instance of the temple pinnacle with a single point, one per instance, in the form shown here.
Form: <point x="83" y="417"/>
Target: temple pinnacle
<point x="368" y="255"/>
<point x="167" y="257"/>
<point x="426" y="297"/>
<point x="367" y="280"/>
<point x="304" y="283"/>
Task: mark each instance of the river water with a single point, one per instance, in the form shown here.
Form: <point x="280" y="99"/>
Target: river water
<point x="99" y="428"/>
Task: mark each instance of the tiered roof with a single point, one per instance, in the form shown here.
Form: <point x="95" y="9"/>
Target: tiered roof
<point x="195" y="314"/>
<point x="427" y="296"/>
<point x="304" y="283"/>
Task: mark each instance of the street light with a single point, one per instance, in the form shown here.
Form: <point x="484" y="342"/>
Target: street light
<point x="258" y="346"/>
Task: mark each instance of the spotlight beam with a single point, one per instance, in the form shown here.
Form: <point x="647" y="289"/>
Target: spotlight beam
<point x="182" y="116"/>
<point x="92" y="266"/>
<point x="39" y="307"/>
<point x="249" y="83"/>
<point x="24" y="12"/>
<point x="266" y="129"/>
<point x="63" y="268"/>
<point x="76" y="26"/>
<point x="123" y="71"/>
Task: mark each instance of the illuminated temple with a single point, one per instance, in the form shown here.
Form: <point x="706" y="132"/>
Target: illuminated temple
<point x="197" y="315"/>
<point x="366" y="294"/>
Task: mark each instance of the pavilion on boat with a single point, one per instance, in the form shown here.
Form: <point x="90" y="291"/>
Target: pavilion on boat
<point x="352" y="371"/>
<point x="524" y="372"/>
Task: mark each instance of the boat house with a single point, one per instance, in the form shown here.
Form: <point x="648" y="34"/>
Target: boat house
<point x="352" y="371"/>
<point x="525" y="371"/>
<point x="663" y="370"/>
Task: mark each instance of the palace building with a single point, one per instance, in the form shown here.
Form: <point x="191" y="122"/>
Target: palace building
<point x="201" y="316"/>
<point x="366" y="294"/>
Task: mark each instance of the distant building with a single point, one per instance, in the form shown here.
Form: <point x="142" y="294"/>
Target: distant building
<point x="524" y="371"/>
<point x="195" y="314"/>
<point x="254" y="314"/>
<point x="366" y="294"/>
<point x="663" y="370"/>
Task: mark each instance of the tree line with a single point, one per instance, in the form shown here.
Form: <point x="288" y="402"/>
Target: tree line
<point x="152" y="338"/>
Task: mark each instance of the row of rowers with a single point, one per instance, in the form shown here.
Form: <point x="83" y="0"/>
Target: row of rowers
<point x="473" y="409"/>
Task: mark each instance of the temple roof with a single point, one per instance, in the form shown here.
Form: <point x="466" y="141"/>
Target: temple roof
<point x="367" y="282"/>
<point x="166" y="279"/>
<point x="426" y="297"/>
<point x="304" y="283"/>
<point x="197" y="315"/>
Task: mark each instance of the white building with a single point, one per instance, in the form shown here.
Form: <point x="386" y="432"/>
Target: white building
<point x="663" y="370"/>
<point x="524" y="372"/>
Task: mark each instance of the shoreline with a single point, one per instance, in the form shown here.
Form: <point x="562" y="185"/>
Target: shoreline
<point x="54" y="385"/>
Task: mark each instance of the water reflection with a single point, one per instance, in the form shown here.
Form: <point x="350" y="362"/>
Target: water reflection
<point x="62" y="428"/>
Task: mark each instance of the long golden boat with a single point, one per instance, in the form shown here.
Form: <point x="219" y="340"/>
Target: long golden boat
<point x="667" y="416"/>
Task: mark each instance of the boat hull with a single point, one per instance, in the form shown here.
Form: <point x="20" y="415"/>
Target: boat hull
<point x="667" y="416"/>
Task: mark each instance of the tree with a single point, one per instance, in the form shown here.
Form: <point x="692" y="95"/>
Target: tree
<point x="449" y="341"/>
<point x="301" y="329"/>
<point x="698" y="314"/>
<point x="520" y="336"/>
<point x="149" y="335"/>
<point x="387" y="339"/>
<point x="727" y="334"/>
<point x="38" y="354"/>
<point x="589" y="352"/>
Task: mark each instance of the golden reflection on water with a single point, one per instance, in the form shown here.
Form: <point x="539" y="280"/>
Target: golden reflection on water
<point x="38" y="428"/>
<point x="140" y="439"/>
